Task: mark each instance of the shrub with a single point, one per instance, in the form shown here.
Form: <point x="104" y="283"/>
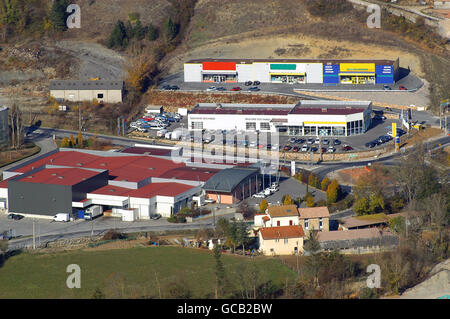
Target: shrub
<point x="113" y="234"/>
<point x="310" y="201"/>
<point x="324" y="185"/>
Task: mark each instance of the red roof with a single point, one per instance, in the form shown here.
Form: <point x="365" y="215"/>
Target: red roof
<point x="4" y="183"/>
<point x="243" y="111"/>
<point x="59" y="176"/>
<point x="133" y="168"/>
<point x="325" y="110"/>
<point x="148" y="191"/>
<point x="281" y="232"/>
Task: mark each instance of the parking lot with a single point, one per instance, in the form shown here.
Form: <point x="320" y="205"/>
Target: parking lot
<point x="378" y="128"/>
<point x="287" y="186"/>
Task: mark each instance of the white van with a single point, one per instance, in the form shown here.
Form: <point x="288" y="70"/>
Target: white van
<point x="61" y="217"/>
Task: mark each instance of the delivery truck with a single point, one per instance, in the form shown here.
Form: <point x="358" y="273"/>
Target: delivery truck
<point x="93" y="211"/>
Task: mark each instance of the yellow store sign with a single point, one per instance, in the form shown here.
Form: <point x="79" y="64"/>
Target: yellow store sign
<point x="358" y="67"/>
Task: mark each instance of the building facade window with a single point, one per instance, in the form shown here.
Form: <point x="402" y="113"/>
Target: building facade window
<point x="264" y="126"/>
<point x="286" y="241"/>
<point x="197" y="125"/>
<point x="277" y="240"/>
<point x="320" y="223"/>
<point x="306" y="223"/>
<point x="250" y="126"/>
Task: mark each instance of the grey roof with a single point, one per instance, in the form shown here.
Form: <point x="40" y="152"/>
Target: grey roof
<point x="86" y="85"/>
<point x="227" y="179"/>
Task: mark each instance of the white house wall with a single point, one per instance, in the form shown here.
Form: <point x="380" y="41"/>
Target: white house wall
<point x="261" y="72"/>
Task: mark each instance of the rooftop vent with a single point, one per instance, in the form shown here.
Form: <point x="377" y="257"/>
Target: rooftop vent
<point x="103" y="164"/>
<point x="54" y="174"/>
<point x="30" y="176"/>
<point x="151" y="168"/>
<point x="60" y="177"/>
<point x="112" y="190"/>
<point x="80" y="164"/>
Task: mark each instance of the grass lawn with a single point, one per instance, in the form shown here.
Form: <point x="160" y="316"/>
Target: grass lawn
<point x="128" y="273"/>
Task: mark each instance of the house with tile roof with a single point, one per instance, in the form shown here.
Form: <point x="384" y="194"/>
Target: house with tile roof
<point x="281" y="240"/>
<point x="317" y="218"/>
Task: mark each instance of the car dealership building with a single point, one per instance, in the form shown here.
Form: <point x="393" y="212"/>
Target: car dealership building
<point x="293" y="71"/>
<point x="306" y="118"/>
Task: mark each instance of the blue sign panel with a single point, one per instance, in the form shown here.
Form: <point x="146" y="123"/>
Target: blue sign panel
<point x="397" y="140"/>
<point x="384" y="74"/>
<point x="331" y="73"/>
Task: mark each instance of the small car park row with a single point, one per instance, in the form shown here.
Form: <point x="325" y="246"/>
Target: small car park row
<point x="15" y="216"/>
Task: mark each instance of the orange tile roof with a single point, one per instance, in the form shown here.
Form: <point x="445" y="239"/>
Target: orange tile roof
<point x="282" y="210"/>
<point x="266" y="218"/>
<point x="281" y="232"/>
<point x="314" y="212"/>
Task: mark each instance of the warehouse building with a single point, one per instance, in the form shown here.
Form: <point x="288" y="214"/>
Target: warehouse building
<point x="292" y="71"/>
<point x="70" y="181"/>
<point x="306" y="118"/>
<point x="103" y="91"/>
<point x="232" y="185"/>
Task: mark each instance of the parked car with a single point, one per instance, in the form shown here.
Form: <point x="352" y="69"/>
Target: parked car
<point x="236" y="88"/>
<point x="254" y="89"/>
<point x="386" y="87"/>
<point x="166" y="87"/>
<point x="269" y="147"/>
<point x="15" y="216"/>
<point x="325" y="142"/>
<point x="370" y="144"/>
<point x="259" y="195"/>
<point x="155" y="216"/>
<point x="317" y="141"/>
<point x="275" y="147"/>
<point x="211" y="88"/>
<point x="305" y="148"/>
<point x="331" y="149"/>
<point x="336" y="142"/>
<point x="248" y="83"/>
<point x="295" y="149"/>
<point x="401" y="87"/>
<point x="300" y="141"/>
<point x="310" y="141"/>
<point x="253" y="144"/>
<point x="287" y="147"/>
<point x="292" y="140"/>
<point x="314" y="149"/>
<point x="347" y="148"/>
<point x="221" y="88"/>
<point x="323" y="150"/>
<point x="256" y="83"/>
<point x="174" y="88"/>
<point x="61" y="217"/>
<point x="209" y="201"/>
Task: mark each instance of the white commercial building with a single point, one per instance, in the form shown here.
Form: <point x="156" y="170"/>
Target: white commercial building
<point x="306" y="118"/>
<point x="292" y="71"/>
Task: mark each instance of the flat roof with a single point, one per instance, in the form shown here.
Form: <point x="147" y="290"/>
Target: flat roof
<point x="325" y="110"/>
<point x="86" y="85"/>
<point x="249" y="61"/>
<point x="147" y="151"/>
<point x="352" y="234"/>
<point x="281" y="232"/>
<point x="147" y="191"/>
<point x="59" y="176"/>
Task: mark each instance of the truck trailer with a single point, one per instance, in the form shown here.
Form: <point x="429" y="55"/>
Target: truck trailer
<point x="93" y="211"/>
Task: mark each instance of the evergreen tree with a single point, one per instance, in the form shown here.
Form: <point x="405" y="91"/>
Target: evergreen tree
<point x="118" y="37"/>
<point x="219" y="271"/>
<point x="58" y="15"/>
<point x="139" y="31"/>
<point x="170" y="29"/>
<point x="152" y="32"/>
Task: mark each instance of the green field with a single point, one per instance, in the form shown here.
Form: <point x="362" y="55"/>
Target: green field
<point x="130" y="273"/>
